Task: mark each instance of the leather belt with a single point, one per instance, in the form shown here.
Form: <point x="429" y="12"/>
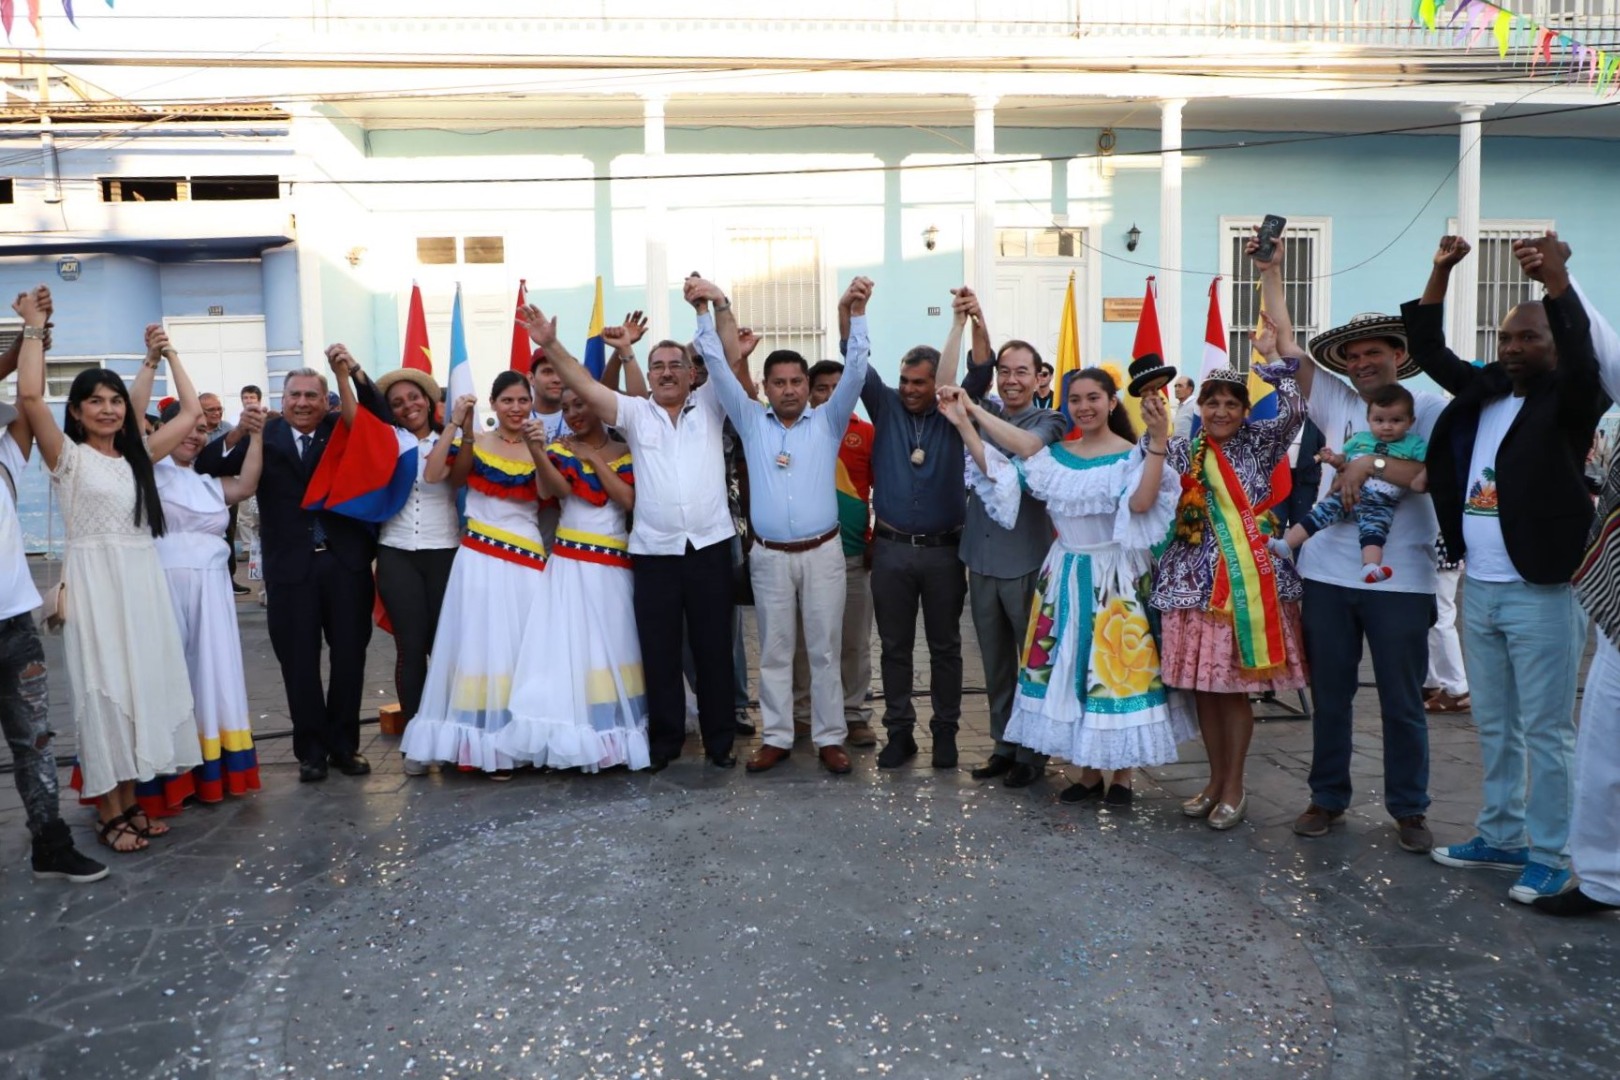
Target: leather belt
<point x="924" y="540"/>
<point x="320" y="547"/>
<point x="799" y="545"/>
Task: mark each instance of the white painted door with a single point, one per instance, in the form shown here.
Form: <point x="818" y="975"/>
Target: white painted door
<point x="221" y="355"/>
<point x="1029" y="304"/>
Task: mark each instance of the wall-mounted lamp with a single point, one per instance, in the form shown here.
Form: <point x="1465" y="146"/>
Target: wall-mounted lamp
<point x="354" y="255"/>
<point x="1133" y="237"/>
<point x="930" y="237"/>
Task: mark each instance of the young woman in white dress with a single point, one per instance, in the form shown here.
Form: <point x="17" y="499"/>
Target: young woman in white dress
<point x="132" y="706"/>
<point x="578" y="701"/>
<point x="196" y="561"/>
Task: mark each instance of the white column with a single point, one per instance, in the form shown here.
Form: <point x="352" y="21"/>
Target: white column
<point x="1462" y="299"/>
<point x="657" y="299"/>
<point x="1170" y="228"/>
<point x="984" y="208"/>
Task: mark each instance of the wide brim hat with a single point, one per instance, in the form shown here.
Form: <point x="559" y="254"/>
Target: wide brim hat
<point x="1149" y="372"/>
<point x="1327" y="349"/>
<point x="424" y="382"/>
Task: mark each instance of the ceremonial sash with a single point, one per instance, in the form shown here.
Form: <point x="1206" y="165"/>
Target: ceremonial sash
<point x="1245" y="578"/>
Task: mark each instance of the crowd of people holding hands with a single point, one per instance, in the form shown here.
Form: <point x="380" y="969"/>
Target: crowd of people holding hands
<point x="561" y="579"/>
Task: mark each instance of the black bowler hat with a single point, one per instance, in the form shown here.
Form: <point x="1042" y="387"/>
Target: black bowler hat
<point x="1149" y="372"/>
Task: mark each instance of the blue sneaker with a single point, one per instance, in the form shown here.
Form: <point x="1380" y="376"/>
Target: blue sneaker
<point x="1477" y="854"/>
<point x="1538" y="881"/>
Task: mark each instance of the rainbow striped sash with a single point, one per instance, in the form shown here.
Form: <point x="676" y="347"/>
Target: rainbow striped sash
<point x="1245" y="578"/>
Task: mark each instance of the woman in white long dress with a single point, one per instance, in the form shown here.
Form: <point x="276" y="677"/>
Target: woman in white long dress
<point x="196" y="561"/>
<point x="132" y="706"/>
<point x="494" y="585"/>
<point x="1089" y="689"/>
<point x="578" y="701"/>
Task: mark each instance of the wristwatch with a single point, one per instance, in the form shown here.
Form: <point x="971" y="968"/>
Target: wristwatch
<point x="1378" y="468"/>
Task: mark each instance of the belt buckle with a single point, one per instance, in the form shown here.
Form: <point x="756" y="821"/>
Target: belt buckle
<point x="320" y="547"/>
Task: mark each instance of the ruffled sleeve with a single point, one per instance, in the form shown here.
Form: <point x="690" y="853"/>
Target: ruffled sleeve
<point x="1144" y="531"/>
<point x="66" y="460"/>
<point x="1002" y="490"/>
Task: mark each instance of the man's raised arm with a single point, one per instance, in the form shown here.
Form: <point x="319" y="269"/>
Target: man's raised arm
<point x="543" y="332"/>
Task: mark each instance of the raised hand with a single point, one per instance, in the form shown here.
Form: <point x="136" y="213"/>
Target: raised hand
<point x="1156" y="417"/>
<point x="252" y="419"/>
<point x="340" y="360"/>
<point x="1251" y="247"/>
<point x="1265" y="338"/>
<point x="1452" y="250"/>
<point x="157" y="343"/>
<point x="965" y="304"/>
<point x="542" y="331"/>
<point x="534" y="432"/>
<point x="1542" y="257"/>
<point x="462" y="413"/>
<point x="634" y="327"/>
<point x="748" y="340"/>
<point x="700" y="292"/>
<point x="857" y="296"/>
<point x="27" y="307"/>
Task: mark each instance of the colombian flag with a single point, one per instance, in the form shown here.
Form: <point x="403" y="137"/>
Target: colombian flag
<point x="595" y="350"/>
<point x="1067" y="360"/>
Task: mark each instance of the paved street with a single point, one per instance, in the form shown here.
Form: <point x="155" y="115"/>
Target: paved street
<point x="707" y="923"/>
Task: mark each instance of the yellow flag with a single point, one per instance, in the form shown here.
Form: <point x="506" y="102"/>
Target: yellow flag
<point x="1503" y="28"/>
<point x="1068" y="344"/>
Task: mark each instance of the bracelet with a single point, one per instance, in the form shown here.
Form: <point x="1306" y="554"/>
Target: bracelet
<point x="34" y="333"/>
<point x="724" y="305"/>
<point x="1160" y="453"/>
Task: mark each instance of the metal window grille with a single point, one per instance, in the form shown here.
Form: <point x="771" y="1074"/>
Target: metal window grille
<point x="776" y="290"/>
<point x="1501" y="283"/>
<point x="1304" y="248"/>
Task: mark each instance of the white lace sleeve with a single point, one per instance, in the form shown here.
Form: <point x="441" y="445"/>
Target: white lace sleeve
<point x="1002" y="491"/>
<point x="66" y="459"/>
<point x="1140" y="532"/>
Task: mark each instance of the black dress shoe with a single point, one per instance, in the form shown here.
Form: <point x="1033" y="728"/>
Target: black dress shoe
<point x="900" y="749"/>
<point x="1573" y="902"/>
<point x="998" y="764"/>
<point x="727" y="760"/>
<point x="944" y="756"/>
<point x="351" y="764"/>
<point x="311" y="771"/>
<point x="658" y="763"/>
<point x="1022" y="775"/>
<point x="1079" y="793"/>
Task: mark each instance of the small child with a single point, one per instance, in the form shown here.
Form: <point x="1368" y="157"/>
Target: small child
<point x="1390" y="414"/>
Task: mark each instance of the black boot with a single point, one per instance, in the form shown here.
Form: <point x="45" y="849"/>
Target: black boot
<point x="55" y="857"/>
<point x="944" y="745"/>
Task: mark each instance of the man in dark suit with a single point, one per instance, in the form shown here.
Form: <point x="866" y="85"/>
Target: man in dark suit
<point x="317" y="571"/>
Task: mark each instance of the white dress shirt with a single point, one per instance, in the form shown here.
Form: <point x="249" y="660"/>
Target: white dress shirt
<point x="429" y="518"/>
<point x="680" y="473"/>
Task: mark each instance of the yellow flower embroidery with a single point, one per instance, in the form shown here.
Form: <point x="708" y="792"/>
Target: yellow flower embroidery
<point x="1123" y="654"/>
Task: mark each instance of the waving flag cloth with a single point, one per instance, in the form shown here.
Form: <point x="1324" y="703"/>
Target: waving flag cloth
<point x="367" y="471"/>
<point x="595" y="350"/>
<point x="418" y="353"/>
<point x="1067" y="359"/>
<point x="522" y="351"/>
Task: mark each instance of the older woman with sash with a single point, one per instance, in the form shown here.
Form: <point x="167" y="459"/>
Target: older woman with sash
<point x="1230" y="610"/>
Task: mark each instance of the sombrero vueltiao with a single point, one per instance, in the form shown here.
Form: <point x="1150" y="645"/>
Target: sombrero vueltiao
<point x="1327" y="349"/>
<point x="424" y="382"/>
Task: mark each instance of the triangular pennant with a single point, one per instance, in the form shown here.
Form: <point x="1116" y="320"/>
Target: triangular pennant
<point x="1502" y="30"/>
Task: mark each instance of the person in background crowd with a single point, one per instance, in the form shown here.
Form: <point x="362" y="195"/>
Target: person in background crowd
<point x="245" y="520"/>
<point x="920" y="500"/>
<point x="132" y="707"/>
<point x="493" y="588"/>
<point x="1186" y="408"/>
<point x="416" y="548"/>
<point x="1230" y="611"/>
<point x="854" y="480"/>
<point x="194" y="559"/>
<point x="547" y="390"/>
<point x="1043" y="398"/>
<point x="24" y="692"/>
<point x="796" y="570"/>
<point x="1507" y="467"/>
<point x="1003" y="561"/>
<point x="1445" y="689"/>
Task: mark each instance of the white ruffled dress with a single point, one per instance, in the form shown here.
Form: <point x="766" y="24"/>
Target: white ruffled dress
<point x="1089" y="688"/>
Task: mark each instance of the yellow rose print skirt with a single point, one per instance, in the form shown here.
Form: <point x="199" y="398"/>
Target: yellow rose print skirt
<point x="1089" y="689"/>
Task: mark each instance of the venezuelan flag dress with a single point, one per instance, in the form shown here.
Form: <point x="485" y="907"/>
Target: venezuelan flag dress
<point x="494" y="585"/>
<point x="579" y="701"/>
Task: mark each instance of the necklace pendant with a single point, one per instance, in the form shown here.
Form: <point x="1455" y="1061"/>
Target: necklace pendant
<point x="784" y="459"/>
<point x="918" y="456"/>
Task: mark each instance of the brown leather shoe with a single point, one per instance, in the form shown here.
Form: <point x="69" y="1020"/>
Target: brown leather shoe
<point x="861" y="735"/>
<point x="834" y="760"/>
<point x="767" y="757"/>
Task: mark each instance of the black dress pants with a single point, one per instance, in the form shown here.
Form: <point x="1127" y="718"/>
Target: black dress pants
<point x="412" y="585"/>
<point x="692" y="590"/>
<point x="332" y="602"/>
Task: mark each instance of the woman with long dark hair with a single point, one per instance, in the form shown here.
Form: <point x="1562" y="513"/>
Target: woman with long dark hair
<point x="132" y="705"/>
<point x="1089" y="689"/>
<point x="466" y="702"/>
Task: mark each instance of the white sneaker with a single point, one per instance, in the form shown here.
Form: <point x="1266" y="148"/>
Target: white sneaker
<point x="416" y="768"/>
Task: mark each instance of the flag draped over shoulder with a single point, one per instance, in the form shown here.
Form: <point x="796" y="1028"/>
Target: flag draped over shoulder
<point x="595" y="349"/>
<point x="366" y="472"/>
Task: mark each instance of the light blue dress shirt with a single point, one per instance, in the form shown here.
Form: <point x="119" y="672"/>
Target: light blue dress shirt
<point x="797" y="500"/>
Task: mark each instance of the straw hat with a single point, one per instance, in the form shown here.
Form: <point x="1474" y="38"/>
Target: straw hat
<point x="423" y="381"/>
<point x="1328" y="348"/>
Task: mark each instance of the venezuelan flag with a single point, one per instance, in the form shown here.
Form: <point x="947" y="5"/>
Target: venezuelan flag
<point x="595" y="350"/>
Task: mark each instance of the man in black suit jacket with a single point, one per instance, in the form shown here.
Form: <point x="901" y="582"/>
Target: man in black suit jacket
<point x="1506" y="466"/>
<point x="317" y="571"/>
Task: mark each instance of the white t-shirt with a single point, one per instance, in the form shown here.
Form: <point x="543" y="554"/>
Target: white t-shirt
<point x="17" y="592"/>
<point x="1333" y="556"/>
<point x="1481" y="525"/>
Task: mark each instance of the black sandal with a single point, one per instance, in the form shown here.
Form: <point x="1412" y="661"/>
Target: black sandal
<point x="111" y="831"/>
<point x="145" y="832"/>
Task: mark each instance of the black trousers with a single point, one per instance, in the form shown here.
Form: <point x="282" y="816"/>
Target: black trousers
<point x="230" y="542"/>
<point x="691" y="590"/>
<point x="412" y="584"/>
<point x="333" y="603"/>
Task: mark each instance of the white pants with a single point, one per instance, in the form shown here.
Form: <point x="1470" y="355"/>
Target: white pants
<point x="1594" y="834"/>
<point x="807" y="587"/>
<point x="1446" y="670"/>
<point x="855" y="650"/>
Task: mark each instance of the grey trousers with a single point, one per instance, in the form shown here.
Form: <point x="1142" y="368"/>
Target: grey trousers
<point x="23" y="715"/>
<point x="1000" y="619"/>
<point x="903" y="579"/>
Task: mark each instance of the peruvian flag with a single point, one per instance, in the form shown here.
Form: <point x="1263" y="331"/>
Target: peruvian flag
<point x="418" y="353"/>
<point x="1214" y="334"/>
<point x="522" y="351"/>
<point x="1147" y="326"/>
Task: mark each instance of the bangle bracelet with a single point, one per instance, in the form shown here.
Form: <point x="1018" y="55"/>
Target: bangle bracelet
<point x="724" y="305"/>
<point x="1160" y="453"/>
<point x="34" y="333"/>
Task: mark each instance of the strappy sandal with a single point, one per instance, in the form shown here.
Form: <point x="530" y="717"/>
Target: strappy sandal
<point x="1444" y="702"/>
<point x="118" y="828"/>
<point x="147" y="831"/>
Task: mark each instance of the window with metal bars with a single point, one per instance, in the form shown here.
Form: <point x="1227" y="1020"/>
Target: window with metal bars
<point x="1305" y="262"/>
<point x="1502" y="285"/>
<point x="776" y="290"/>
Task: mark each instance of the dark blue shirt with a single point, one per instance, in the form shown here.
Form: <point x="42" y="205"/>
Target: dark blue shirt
<point x="924" y="499"/>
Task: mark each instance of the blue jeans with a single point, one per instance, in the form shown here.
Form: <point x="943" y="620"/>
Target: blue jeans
<point x="1396" y="628"/>
<point x="1522" y="645"/>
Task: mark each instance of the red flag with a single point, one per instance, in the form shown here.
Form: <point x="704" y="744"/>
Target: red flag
<point x="33" y="17"/>
<point x="521" y="349"/>
<point x="1147" y="326"/>
<point x="418" y="353"/>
